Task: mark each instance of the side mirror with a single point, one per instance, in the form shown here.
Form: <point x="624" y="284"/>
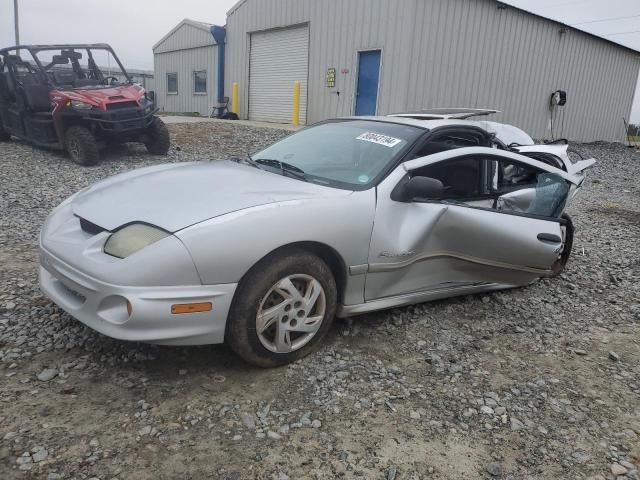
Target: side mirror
<point x="60" y="60"/>
<point x="71" y="55"/>
<point x="418" y="187"/>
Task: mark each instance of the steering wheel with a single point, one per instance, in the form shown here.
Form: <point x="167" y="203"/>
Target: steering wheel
<point x="110" y="77"/>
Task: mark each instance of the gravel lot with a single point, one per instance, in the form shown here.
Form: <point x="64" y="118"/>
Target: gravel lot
<point x="535" y="383"/>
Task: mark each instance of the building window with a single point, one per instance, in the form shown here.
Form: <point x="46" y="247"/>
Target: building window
<point x="200" y="82"/>
<point x="172" y="83"/>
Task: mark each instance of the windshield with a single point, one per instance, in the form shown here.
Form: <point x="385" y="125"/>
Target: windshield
<point x="81" y="67"/>
<point x="345" y="154"/>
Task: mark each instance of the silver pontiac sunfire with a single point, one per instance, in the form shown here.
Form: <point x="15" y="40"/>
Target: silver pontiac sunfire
<point x="345" y="217"/>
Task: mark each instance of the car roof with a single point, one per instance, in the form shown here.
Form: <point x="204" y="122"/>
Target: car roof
<point x="508" y="134"/>
<point x="414" y="122"/>
<point x="446" y="113"/>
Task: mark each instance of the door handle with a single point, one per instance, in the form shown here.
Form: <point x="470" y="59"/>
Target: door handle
<point x="549" y="238"/>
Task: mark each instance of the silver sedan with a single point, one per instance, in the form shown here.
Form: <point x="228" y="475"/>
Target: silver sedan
<point x="342" y="218"/>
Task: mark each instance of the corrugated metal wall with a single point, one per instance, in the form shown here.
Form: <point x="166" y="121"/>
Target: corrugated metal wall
<point x="453" y="53"/>
<point x="189" y="49"/>
<point x="149" y="84"/>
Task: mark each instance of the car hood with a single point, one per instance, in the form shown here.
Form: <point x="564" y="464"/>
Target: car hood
<point x="101" y="97"/>
<point x="176" y="196"/>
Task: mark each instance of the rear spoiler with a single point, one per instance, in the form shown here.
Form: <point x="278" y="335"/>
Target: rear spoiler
<point x="580" y="166"/>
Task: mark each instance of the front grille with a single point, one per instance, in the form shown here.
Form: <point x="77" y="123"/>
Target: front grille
<point x="129" y="115"/>
<point x="90" y="228"/>
<point x="75" y="294"/>
<point x="123" y="116"/>
<point x="121" y="105"/>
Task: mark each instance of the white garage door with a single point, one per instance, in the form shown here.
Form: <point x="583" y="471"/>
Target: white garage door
<point x="278" y="58"/>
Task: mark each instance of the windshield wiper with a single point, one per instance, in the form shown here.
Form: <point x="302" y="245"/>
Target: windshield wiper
<point x="285" y="168"/>
<point x="246" y="158"/>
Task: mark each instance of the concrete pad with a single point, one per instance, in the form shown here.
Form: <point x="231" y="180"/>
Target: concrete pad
<point x="178" y="119"/>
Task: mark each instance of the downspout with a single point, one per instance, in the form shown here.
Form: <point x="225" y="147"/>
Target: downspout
<point x="219" y="34"/>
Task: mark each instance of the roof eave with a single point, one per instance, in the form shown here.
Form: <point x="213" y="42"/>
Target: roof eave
<point x="205" y="27"/>
<point x="565" y="25"/>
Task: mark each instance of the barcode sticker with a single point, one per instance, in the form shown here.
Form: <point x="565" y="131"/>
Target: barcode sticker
<point x="379" y="139"/>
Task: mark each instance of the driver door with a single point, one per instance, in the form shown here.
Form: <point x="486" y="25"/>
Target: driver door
<point x="467" y="237"/>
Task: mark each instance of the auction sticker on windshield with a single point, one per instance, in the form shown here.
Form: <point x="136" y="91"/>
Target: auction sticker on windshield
<point x="379" y="139"/>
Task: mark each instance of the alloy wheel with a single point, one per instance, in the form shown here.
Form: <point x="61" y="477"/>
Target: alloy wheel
<point x="291" y="313"/>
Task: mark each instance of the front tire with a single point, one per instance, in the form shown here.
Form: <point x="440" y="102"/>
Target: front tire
<point x="82" y="146"/>
<point x="282" y="310"/>
<point x="158" y="140"/>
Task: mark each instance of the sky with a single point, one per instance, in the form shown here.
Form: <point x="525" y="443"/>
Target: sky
<point x="616" y="20"/>
<point x="133" y="27"/>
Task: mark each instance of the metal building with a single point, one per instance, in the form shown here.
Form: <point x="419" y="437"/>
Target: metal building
<point x="144" y="78"/>
<point x="185" y="68"/>
<point x="382" y="56"/>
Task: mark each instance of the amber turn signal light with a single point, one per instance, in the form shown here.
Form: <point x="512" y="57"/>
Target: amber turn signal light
<point x="129" y="308"/>
<point x="191" y="308"/>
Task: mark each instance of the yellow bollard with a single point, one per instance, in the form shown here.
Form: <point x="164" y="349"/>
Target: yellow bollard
<point x="296" y="103"/>
<point x="234" y="98"/>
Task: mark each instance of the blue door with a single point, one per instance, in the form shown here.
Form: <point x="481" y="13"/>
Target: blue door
<point x="368" y="79"/>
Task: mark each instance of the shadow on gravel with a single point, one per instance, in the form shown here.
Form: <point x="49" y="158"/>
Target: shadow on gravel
<point x="631" y="216"/>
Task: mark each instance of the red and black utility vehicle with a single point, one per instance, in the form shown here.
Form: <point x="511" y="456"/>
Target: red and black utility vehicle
<point x="77" y="98"/>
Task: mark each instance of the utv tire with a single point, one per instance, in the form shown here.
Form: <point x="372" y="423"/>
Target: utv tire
<point x="158" y="140"/>
<point x="82" y="146"/>
<point x="265" y="288"/>
<point x="563" y="259"/>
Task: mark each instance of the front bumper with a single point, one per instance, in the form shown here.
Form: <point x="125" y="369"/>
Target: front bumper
<point x="120" y="120"/>
<point x="102" y="306"/>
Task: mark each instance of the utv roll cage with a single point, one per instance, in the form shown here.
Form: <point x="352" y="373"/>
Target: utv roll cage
<point x="56" y="101"/>
<point x="10" y="57"/>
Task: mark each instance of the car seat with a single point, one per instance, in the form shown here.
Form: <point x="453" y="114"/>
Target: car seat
<point x="7" y="93"/>
<point x="64" y="77"/>
<point x="37" y="97"/>
<point x="463" y="183"/>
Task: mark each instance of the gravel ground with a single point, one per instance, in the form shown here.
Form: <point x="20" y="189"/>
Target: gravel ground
<point x="538" y="382"/>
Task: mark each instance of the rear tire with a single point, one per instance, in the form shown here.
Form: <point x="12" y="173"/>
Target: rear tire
<point x="82" y="146"/>
<point x="563" y="259"/>
<point x="304" y="317"/>
<point x="158" y="140"/>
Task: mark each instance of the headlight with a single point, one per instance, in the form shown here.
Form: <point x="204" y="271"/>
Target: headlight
<point x="130" y="239"/>
<point x="81" y="105"/>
